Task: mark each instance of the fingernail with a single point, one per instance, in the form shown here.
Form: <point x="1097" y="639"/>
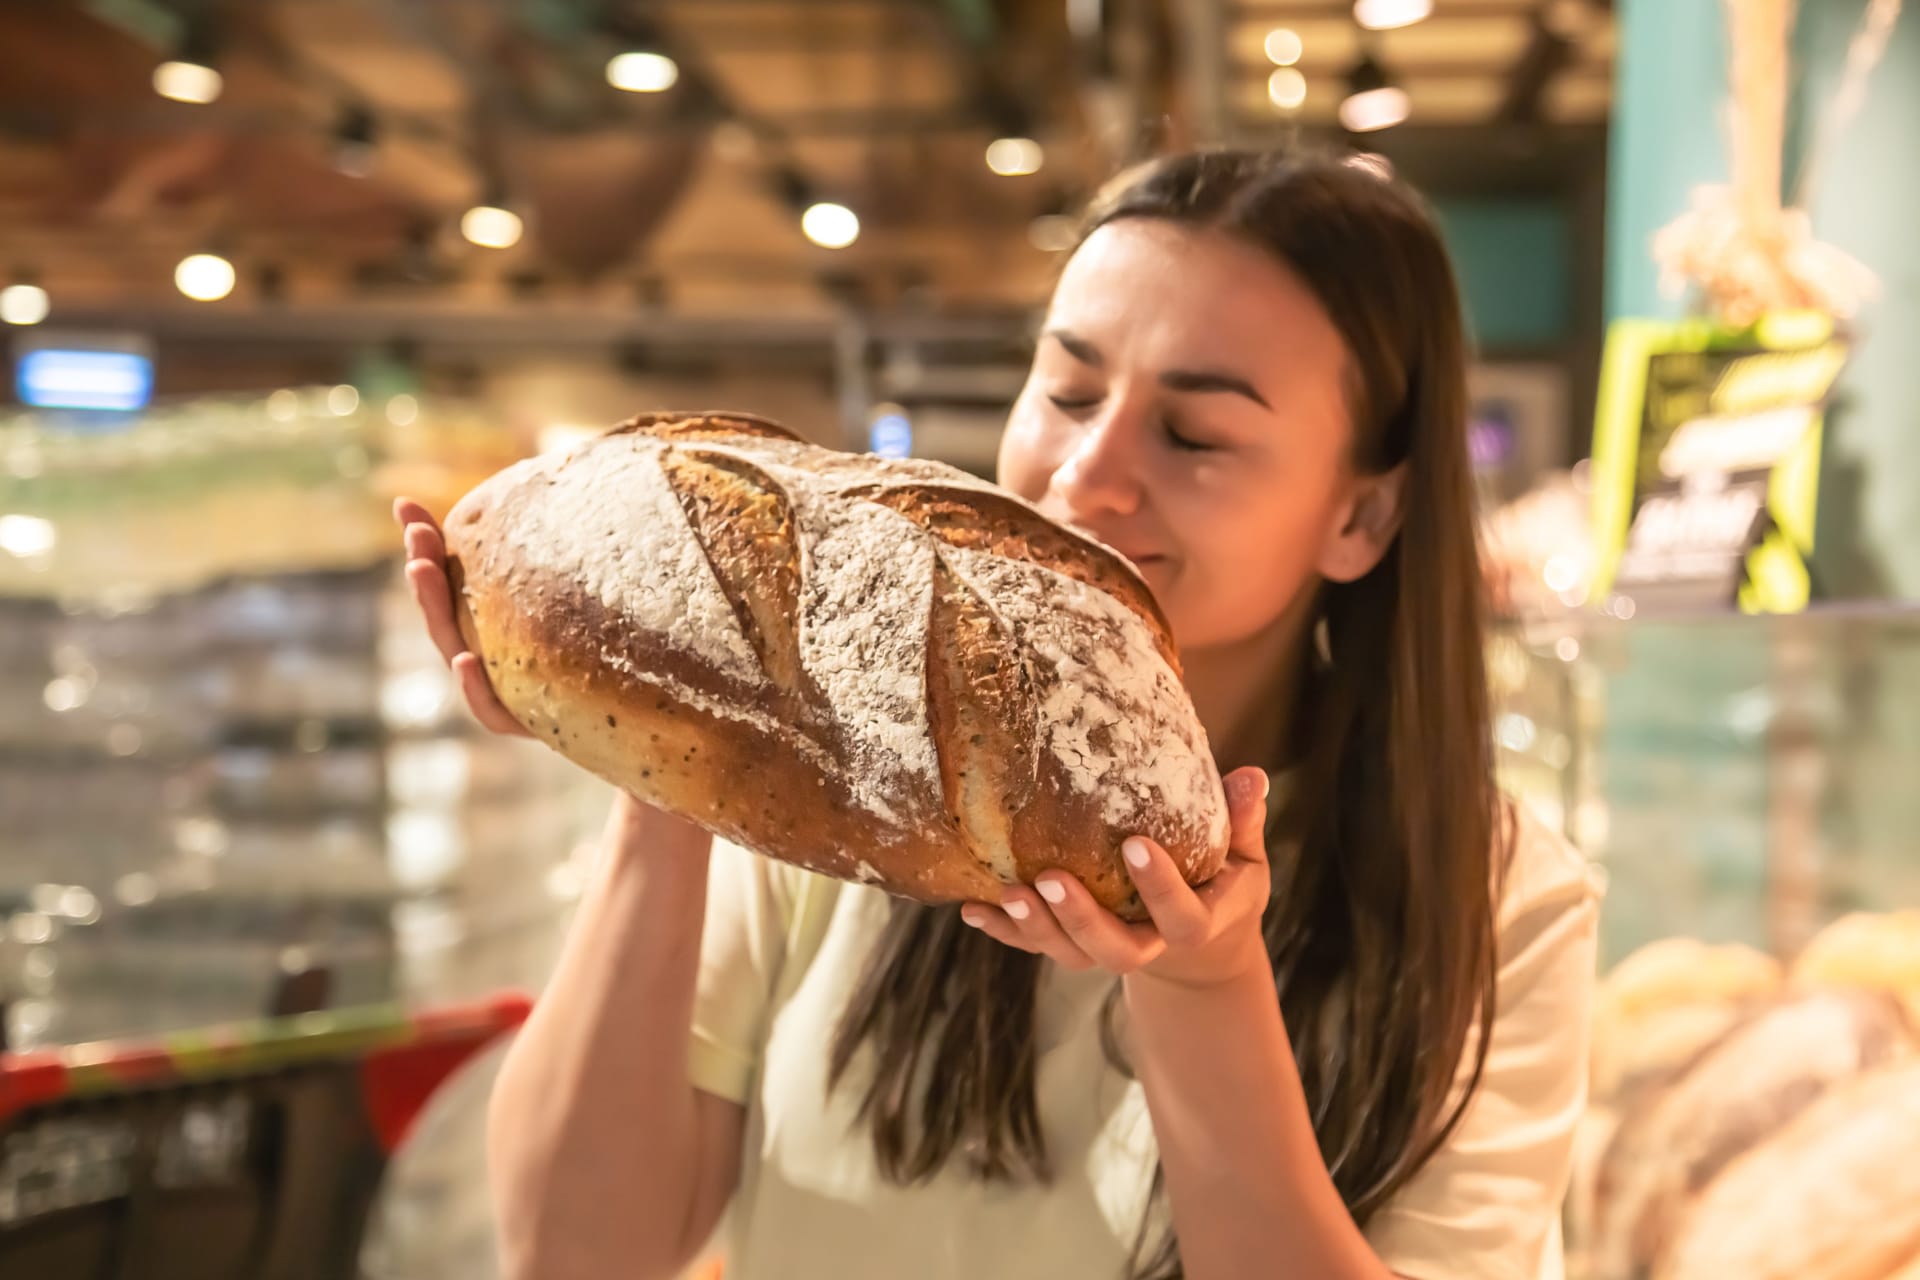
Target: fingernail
<point x="1053" y="891"/>
<point x="1016" y="908"/>
<point x="972" y="918"/>
<point x="1135" y="852"/>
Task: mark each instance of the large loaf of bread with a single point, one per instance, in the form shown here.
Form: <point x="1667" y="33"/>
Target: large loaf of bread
<point x="885" y="671"/>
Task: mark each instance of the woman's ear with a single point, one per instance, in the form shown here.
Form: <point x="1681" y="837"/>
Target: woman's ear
<point x="1366" y="525"/>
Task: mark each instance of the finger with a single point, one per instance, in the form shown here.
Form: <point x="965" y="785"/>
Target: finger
<point x="1247" y="811"/>
<point x="1178" y="913"/>
<point x="1108" y="940"/>
<point x="1039" y="929"/>
<point x="482" y="700"/>
<point x="996" y="924"/>
<point x="435" y="598"/>
<point x="406" y="511"/>
<point x="1239" y="891"/>
<point x="423" y="542"/>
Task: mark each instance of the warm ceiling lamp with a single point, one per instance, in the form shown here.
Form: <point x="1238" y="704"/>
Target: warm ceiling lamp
<point x="1284" y="46"/>
<point x="1014" y="157"/>
<point x="188" y="82"/>
<point x="1384" y="15"/>
<point x="829" y="225"/>
<point x="189" y="76"/>
<point x="1287" y="88"/>
<point x="492" y="226"/>
<point x="1373" y="101"/>
<point x="23" y="304"/>
<point x="642" y="72"/>
<point x="204" y="277"/>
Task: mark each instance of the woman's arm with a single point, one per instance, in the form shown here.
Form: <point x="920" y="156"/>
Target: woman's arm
<point x="604" y="1158"/>
<point x="1245" y="1178"/>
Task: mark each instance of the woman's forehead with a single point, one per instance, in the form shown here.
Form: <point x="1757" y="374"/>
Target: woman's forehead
<point x="1170" y="289"/>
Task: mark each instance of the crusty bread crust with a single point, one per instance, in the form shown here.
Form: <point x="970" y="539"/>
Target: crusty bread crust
<point x="883" y="671"/>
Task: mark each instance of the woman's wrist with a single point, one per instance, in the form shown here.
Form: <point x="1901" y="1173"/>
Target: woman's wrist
<point x="638" y="829"/>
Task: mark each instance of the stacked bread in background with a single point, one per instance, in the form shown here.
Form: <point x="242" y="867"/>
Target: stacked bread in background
<point x="1756" y="1120"/>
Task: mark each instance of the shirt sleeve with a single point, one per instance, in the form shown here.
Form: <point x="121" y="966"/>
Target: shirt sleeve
<point x="1487" y="1205"/>
<point x="742" y="947"/>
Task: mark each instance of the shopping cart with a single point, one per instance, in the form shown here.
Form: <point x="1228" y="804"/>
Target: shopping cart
<point x="246" y="1152"/>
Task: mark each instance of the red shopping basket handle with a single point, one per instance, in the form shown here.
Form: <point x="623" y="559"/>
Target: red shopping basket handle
<point x="403" y="1057"/>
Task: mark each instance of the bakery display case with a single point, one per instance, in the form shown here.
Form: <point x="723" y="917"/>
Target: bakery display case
<point x="1747" y="784"/>
<point x="236" y="779"/>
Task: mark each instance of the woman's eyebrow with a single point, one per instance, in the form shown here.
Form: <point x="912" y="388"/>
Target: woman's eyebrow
<point x="1077" y="347"/>
<point x="1193" y="380"/>
<point x="1208" y="380"/>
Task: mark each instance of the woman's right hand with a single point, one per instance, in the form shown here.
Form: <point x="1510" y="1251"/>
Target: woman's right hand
<point x="427" y="576"/>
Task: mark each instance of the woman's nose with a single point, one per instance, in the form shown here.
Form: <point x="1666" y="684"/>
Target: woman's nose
<point x="1100" y="474"/>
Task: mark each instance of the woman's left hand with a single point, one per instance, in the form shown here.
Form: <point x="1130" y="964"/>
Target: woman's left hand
<point x="1198" y="936"/>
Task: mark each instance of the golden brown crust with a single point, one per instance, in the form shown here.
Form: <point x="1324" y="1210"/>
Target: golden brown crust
<point x="749" y="748"/>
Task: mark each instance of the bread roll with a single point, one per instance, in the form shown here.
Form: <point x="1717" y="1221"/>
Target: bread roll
<point x="1676" y="1137"/>
<point x="1665" y="1002"/>
<point x="1876" y="950"/>
<point x="1835" y="1195"/>
<point x="885" y="671"/>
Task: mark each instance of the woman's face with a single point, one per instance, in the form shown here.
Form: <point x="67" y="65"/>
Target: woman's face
<point x="1186" y="406"/>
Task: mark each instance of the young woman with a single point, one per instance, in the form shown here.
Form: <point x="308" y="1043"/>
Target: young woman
<point x="1358" y="1052"/>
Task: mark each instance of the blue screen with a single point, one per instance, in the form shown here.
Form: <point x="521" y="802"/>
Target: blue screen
<point x="56" y="379"/>
<point x="890" y="436"/>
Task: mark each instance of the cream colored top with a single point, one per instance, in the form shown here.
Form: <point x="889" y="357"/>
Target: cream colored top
<point x="781" y="954"/>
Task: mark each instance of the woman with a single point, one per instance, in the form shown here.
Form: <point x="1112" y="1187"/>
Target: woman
<point x="1358" y="1052"/>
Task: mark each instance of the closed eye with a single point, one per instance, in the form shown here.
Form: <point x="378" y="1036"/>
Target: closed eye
<point x="1186" y="444"/>
<point x="1072" y="405"/>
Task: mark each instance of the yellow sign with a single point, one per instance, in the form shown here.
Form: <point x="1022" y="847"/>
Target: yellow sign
<point x="1706" y="460"/>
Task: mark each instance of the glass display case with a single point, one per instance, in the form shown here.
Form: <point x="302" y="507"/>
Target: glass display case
<point x="1742" y="779"/>
<point x="232" y="763"/>
<point x="1749" y="786"/>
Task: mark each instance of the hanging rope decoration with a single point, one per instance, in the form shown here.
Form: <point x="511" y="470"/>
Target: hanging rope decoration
<point x="1746" y="252"/>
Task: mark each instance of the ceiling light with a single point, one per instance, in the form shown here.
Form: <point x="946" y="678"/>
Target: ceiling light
<point x="1384" y="15"/>
<point x="26" y="536"/>
<point x="1284" y="46"/>
<point x="204" y="277"/>
<point x="23" y="304"/>
<point x="1014" y="157"/>
<point x="1380" y="108"/>
<point x="189" y="75"/>
<point x="1373" y="100"/>
<point x="642" y="72"/>
<point x="831" y="226"/>
<point x="187" y="82"/>
<point x="1287" y="88"/>
<point x="492" y="226"/>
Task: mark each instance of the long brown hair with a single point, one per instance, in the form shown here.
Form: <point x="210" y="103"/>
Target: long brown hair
<point x="1381" y="921"/>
